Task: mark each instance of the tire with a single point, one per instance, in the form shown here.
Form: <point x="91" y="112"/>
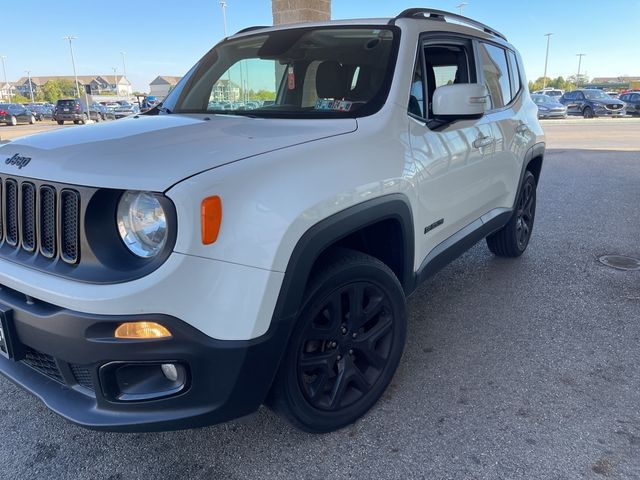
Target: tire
<point x="60" y="122"/>
<point x="588" y="112"/>
<point x="76" y="122"/>
<point x="512" y="239"/>
<point x="32" y="120"/>
<point x="13" y="121"/>
<point x="339" y="362"/>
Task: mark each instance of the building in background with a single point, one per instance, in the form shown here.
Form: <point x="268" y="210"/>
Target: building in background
<point x="615" y="83"/>
<point x="6" y="91"/>
<point x="162" y="85"/>
<point x="100" y="84"/>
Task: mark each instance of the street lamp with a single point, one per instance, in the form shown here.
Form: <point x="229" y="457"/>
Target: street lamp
<point x="223" y="6"/>
<point x="4" y="70"/>
<point x="124" y="63"/>
<point x="115" y="80"/>
<point x="71" y="38"/>
<point x="28" y="72"/>
<point x="579" y="55"/>
<point x="461" y="6"/>
<point x="546" y="60"/>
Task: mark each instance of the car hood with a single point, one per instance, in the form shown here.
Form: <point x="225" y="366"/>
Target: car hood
<point x="608" y="101"/>
<point x="551" y="105"/>
<point x="155" y="152"/>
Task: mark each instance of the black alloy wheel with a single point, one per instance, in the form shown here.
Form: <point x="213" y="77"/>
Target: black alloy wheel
<point x="345" y="346"/>
<point x="587" y="112"/>
<point x="525" y="214"/>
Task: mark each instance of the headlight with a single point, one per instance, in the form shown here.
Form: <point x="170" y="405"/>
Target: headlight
<point x="544" y="109"/>
<point x="142" y="223"/>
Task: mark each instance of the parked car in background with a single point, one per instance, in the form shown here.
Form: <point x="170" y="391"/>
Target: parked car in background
<point x="42" y="111"/>
<point x="548" y="107"/>
<point x="554" y="93"/>
<point x="591" y="102"/>
<point x="72" y="110"/>
<point x="103" y="111"/>
<point x="125" y="109"/>
<point x="13" y="113"/>
<point x="613" y="94"/>
<point x="632" y="101"/>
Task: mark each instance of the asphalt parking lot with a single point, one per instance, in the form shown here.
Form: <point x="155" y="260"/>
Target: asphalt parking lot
<point x="524" y="369"/>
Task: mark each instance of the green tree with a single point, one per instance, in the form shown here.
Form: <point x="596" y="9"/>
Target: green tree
<point x="54" y="90"/>
<point x="17" y="98"/>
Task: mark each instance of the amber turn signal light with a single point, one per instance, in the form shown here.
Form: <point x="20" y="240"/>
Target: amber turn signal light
<point x="210" y="219"/>
<point x="142" y="330"/>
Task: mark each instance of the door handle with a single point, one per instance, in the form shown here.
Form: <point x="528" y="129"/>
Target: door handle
<point x="482" y="141"/>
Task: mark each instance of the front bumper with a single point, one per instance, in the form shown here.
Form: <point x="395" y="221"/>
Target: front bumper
<point x="59" y="355"/>
<point x="552" y="114"/>
<point x="604" y="112"/>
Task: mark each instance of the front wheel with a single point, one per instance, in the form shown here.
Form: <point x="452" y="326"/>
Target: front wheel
<point x="346" y="344"/>
<point x="587" y="112"/>
<point x="13" y="121"/>
<point x="60" y="122"/>
<point x="32" y="120"/>
<point x="512" y="239"/>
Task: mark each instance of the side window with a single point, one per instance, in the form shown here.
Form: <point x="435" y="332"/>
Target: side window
<point x="446" y="64"/>
<point x="579" y="96"/>
<point x="514" y="73"/>
<point x="416" y="95"/>
<point x="496" y="74"/>
<point x="636" y="97"/>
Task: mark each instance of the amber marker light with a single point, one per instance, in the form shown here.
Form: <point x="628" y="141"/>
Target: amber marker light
<point x="210" y="219"/>
<point x="142" y="330"/>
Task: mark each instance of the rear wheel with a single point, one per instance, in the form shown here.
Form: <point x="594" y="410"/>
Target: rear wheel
<point x="60" y="122"/>
<point x="13" y="121"/>
<point x="346" y="344"/>
<point x="32" y="120"/>
<point x="512" y="239"/>
<point x="587" y="112"/>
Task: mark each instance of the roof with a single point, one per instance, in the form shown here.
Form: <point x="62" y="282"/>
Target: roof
<point x="83" y="79"/>
<point x="165" y="80"/>
<point x="621" y="79"/>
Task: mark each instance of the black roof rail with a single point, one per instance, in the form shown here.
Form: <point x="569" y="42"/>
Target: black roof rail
<point x="250" y="29"/>
<point x="441" y="15"/>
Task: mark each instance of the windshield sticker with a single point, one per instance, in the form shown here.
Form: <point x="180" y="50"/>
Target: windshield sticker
<point x="333" y="105"/>
<point x="291" y="79"/>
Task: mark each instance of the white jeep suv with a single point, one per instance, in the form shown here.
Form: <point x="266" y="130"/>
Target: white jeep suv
<point x="253" y="238"/>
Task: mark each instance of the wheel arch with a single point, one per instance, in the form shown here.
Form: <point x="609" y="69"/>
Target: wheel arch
<point x="342" y="230"/>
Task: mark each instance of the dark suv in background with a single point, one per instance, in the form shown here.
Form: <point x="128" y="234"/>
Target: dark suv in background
<point x="71" y="110"/>
<point x="632" y="99"/>
<point x="591" y="102"/>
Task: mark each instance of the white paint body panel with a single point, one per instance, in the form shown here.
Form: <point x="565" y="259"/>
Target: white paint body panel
<point x="292" y="175"/>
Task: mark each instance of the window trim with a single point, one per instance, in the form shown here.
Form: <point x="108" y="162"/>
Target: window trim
<point x="441" y="38"/>
<point x="477" y="42"/>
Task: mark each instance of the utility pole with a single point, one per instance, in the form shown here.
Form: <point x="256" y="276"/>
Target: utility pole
<point x="28" y="72"/>
<point x="461" y="6"/>
<point x="124" y="63"/>
<point x="115" y="80"/>
<point x="4" y="70"/>
<point x="71" y="38"/>
<point x="223" y="6"/>
<point x="546" y="61"/>
<point x="579" y="55"/>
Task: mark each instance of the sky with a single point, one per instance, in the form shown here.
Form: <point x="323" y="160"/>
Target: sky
<point x="167" y="38"/>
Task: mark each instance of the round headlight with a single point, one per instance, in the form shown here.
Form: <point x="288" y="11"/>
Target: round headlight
<point x="142" y="223"/>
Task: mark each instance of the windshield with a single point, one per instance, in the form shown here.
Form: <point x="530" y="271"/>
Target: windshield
<point x="302" y="72"/>
<point x="554" y="93"/>
<point x="595" y="94"/>
<point x="539" y="99"/>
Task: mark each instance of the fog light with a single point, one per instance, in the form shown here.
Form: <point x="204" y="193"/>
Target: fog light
<point x="141" y="330"/>
<point x="170" y="371"/>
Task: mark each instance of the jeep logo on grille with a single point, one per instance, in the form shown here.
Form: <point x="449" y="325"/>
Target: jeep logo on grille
<point x="18" y="161"/>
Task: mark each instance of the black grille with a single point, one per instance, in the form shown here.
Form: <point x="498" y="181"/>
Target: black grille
<point x="38" y="219"/>
<point x="70" y="212"/>
<point x="614" y="106"/>
<point x="82" y="374"/>
<point x="47" y="221"/>
<point x="43" y="363"/>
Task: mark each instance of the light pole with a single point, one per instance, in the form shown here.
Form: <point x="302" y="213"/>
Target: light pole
<point x="461" y="6"/>
<point x="28" y="72"/>
<point x="579" y="55"/>
<point x="115" y="80"/>
<point x="4" y="70"/>
<point x="546" y="60"/>
<point x="124" y="63"/>
<point x="223" y="6"/>
<point x="71" y="38"/>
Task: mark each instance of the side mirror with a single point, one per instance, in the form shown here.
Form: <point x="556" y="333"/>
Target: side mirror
<point x="461" y="101"/>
